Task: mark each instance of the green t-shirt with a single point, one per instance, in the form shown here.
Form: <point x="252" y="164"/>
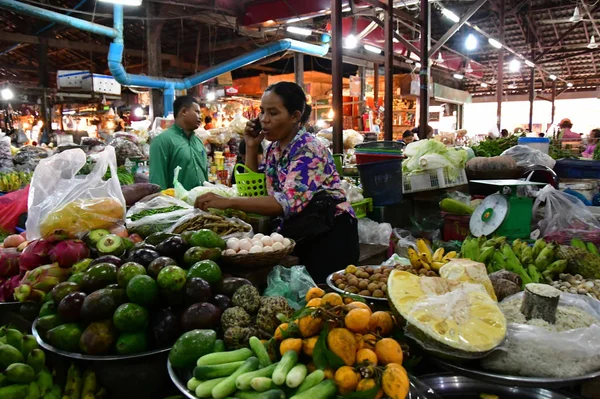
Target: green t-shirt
<point x="173" y="148"/>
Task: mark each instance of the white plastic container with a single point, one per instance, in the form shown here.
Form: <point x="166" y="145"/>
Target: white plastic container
<point x="539" y="143"/>
<point x="587" y="188"/>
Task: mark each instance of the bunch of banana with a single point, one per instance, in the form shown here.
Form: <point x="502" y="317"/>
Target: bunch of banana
<point x="82" y="385"/>
<point x="428" y="259"/>
<point x="588" y="246"/>
<point x="14" y="181"/>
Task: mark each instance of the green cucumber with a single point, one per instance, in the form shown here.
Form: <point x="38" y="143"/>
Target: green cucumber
<point x="193" y="383"/>
<point x="311" y="380"/>
<point x="204" y="389"/>
<point x="322" y="390"/>
<point x="296" y="375"/>
<point x="262" y="384"/>
<point x="219" y="346"/>
<point x="288" y="360"/>
<point x="243" y="381"/>
<point x="224" y="357"/>
<point x="227" y="387"/>
<point x="204" y="373"/>
<point x="260" y="351"/>
<point x="272" y="394"/>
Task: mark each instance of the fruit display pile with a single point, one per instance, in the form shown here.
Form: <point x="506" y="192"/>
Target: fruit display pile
<point x="13" y="181"/>
<point x="334" y="345"/>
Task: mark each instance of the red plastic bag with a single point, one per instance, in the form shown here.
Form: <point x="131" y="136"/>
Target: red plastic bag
<point x="13" y="205"/>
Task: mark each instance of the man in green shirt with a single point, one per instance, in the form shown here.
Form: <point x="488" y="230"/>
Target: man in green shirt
<point x="179" y="146"/>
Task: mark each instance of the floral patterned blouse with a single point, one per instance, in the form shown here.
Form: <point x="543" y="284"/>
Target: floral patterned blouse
<point x="295" y="173"/>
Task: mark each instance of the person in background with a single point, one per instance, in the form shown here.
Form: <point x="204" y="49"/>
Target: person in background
<point x="407" y="137"/>
<point x="592" y="143"/>
<point x="541" y="135"/>
<point x="428" y="132"/>
<point x="241" y="158"/>
<point x="566" y="133"/>
<point x="208" y="123"/>
<point x="303" y="186"/>
<point x="504" y="133"/>
<point x="179" y="146"/>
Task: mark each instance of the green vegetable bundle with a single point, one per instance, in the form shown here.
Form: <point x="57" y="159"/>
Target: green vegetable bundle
<point x="494" y="148"/>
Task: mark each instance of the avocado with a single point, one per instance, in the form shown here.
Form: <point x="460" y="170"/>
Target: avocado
<point x="107" y="259"/>
<point x="61" y="290"/>
<point x="130" y="317"/>
<point x="143" y="256"/>
<point x="127" y="271"/>
<point x="46" y="323"/>
<point x="207" y="239"/>
<point x="130" y="343"/>
<point x="157" y="238"/>
<point x="98" y="338"/>
<point x="191" y="346"/>
<point x="164" y="327"/>
<point x="69" y="308"/>
<point x="99" y="276"/>
<point x="187" y="236"/>
<point x="128" y="243"/>
<point x="94" y="236"/>
<point x="65" y="337"/>
<point x="196" y="254"/>
<point x="173" y="247"/>
<point x="196" y="290"/>
<point x="81" y="266"/>
<point x="111" y="244"/>
<point x="171" y="279"/>
<point x="206" y="269"/>
<point x="48" y="308"/>
<point x="158" y="264"/>
<point x="101" y="304"/>
<point x="142" y="290"/>
<point x="229" y="285"/>
<point x="76" y="278"/>
<point x="221" y="301"/>
<point x="201" y="315"/>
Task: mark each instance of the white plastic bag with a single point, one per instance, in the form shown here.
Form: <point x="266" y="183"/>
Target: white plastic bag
<point x="61" y="200"/>
<point x="526" y="156"/>
<point x="158" y="222"/>
<point x="371" y="232"/>
<point x="405" y="241"/>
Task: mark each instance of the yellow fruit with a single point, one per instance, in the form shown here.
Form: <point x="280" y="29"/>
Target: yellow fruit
<point x="358" y="305"/>
<point x="425" y="258"/>
<point x="342" y="342"/>
<point x="395" y="383"/>
<point x="290" y="344"/>
<point x="369" y="383"/>
<point x="346" y="379"/>
<point x="366" y="355"/>
<point x="438" y="255"/>
<point x="308" y="345"/>
<point x="423" y="248"/>
<point x="350" y="269"/>
<point x="413" y="256"/>
<point x="314" y="303"/>
<point x="388" y="350"/>
<point x="309" y="326"/>
<point x="357" y="320"/>
<point x="449" y="256"/>
<point x="332" y="299"/>
<point x="437" y="265"/>
<point x="329" y="373"/>
<point x="279" y="331"/>
<point x="381" y="323"/>
<point x="314" y="292"/>
<point x="367" y="341"/>
<point x="468" y="271"/>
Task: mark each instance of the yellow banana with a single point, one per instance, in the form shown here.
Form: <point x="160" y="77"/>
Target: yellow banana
<point x="414" y="258"/>
<point x="425" y="258"/>
<point x="438" y="255"/>
<point x="449" y="256"/>
<point x="423" y="248"/>
<point x="426" y="265"/>
<point x="437" y="265"/>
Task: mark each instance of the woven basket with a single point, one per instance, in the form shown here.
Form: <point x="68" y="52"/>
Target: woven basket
<point x="247" y="261"/>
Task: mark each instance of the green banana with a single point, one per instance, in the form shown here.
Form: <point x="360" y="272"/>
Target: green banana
<point x="534" y="273"/>
<point x="526" y="256"/>
<point x="19" y="373"/>
<point x="28" y="344"/>
<point x="54" y="393"/>
<point x="44" y="381"/>
<point x="470" y="248"/>
<point x="545" y="258"/>
<point x="18" y="391"/>
<point x="486" y="255"/>
<point x="14" y="338"/>
<point x="577" y="243"/>
<point x="538" y="247"/>
<point x="514" y="265"/>
<point x="592" y="248"/>
<point x="36" y="359"/>
<point x="34" y="391"/>
<point x="555" y="268"/>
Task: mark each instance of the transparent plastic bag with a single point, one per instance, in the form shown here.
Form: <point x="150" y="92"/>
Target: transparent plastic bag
<point x="371" y="232"/>
<point x="536" y="352"/>
<point x="405" y="241"/>
<point x="526" y="156"/>
<point x="564" y="217"/>
<point x="158" y="222"/>
<point x="291" y="283"/>
<point x="207" y="187"/>
<point x="61" y="200"/>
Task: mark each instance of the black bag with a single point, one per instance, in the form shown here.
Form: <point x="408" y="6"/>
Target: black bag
<point x="317" y="218"/>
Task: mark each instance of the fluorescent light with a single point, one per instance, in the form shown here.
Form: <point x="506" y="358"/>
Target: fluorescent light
<point x="372" y="49"/>
<point x="418" y="64"/>
<point x="350" y="41"/>
<point x="138" y="112"/>
<point x="450" y="15"/>
<point x="483" y="84"/>
<point x="458" y="76"/>
<point x="124" y="2"/>
<point x="7" y="94"/>
<point x="210" y="96"/>
<point x="346" y="9"/>
<point x="529" y="64"/>
<point x="514" y="65"/>
<point x="495" y="43"/>
<point x="471" y="42"/>
<point x="293" y="20"/>
<point x="552" y="77"/>
<point x="299" y="31"/>
<point x="569" y="84"/>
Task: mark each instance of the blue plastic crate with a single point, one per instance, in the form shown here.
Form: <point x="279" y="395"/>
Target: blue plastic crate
<point x="577" y="169"/>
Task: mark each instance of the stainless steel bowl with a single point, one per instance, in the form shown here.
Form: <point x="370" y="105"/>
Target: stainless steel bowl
<point x="331" y="285"/>
<point x="180" y="379"/>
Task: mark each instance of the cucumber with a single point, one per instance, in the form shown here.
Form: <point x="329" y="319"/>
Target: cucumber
<point x="243" y="381"/>
<point x="296" y="375"/>
<point x="204" y="389"/>
<point x="311" y="380"/>
<point x="272" y="394"/>
<point x="260" y="351"/>
<point x="224" y="357"/>
<point x="288" y="360"/>
<point x="219" y="346"/>
<point x="192" y="384"/>
<point x="227" y="387"/>
<point x="204" y="373"/>
<point x="322" y="390"/>
<point x="262" y="384"/>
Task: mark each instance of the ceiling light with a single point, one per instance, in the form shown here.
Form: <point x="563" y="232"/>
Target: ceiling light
<point x="7" y="94"/>
<point x="514" y="65"/>
<point x="529" y="64"/>
<point x="471" y="42"/>
<point x="450" y="15"/>
<point x="138" y="112"/>
<point x="330" y="114"/>
<point x="468" y="67"/>
<point x="350" y="41"/>
<point x="124" y="2"/>
<point x="293" y="20"/>
<point x="483" y="84"/>
<point x="418" y="64"/>
<point x="576" y="15"/>
<point x="299" y="31"/>
<point x="592" y="44"/>
<point x="346" y="9"/>
<point x="210" y="96"/>
<point x="397" y="33"/>
<point x="495" y="43"/>
<point x="552" y="77"/>
<point x="458" y="76"/>
<point x="269" y="23"/>
<point x="569" y="84"/>
<point x="440" y="59"/>
<point x="513" y="85"/>
<point x="372" y="49"/>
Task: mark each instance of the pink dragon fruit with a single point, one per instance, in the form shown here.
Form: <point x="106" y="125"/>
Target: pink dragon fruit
<point x="7" y="288"/>
<point x="39" y="281"/>
<point x="36" y="254"/>
<point x="67" y="253"/>
<point x="9" y="262"/>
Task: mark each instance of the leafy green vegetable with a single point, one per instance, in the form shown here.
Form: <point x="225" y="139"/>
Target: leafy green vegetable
<point x="494" y="148"/>
<point x="157" y="211"/>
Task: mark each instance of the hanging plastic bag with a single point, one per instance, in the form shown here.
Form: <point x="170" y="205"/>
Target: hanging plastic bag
<point x="159" y="214"/>
<point x="61" y="200"/>
<point x="291" y="283"/>
<point x="526" y="156"/>
<point x="371" y="232"/>
<point x="564" y="217"/>
<point x="405" y="240"/>
<point x="12" y="206"/>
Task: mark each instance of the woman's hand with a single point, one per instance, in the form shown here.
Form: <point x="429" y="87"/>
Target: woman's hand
<point x="212" y="200"/>
<point x="250" y="136"/>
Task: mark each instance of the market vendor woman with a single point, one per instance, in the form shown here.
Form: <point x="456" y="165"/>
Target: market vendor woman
<point x="302" y="183"/>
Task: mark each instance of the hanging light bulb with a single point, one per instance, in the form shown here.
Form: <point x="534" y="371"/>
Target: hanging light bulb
<point x="397" y="33"/>
<point x="330" y="114"/>
<point x="468" y="68"/>
<point x="440" y="59"/>
<point x="350" y="41"/>
<point x="576" y="15"/>
<point x="471" y="42"/>
<point x="592" y="44"/>
<point x="514" y="65"/>
<point x="513" y="85"/>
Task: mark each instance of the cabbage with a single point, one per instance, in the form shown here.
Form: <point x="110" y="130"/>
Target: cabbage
<point x="431" y="154"/>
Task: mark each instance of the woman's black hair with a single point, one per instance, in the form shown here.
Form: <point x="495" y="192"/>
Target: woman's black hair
<point x="207" y="119"/>
<point x="595" y="133"/>
<point x="293" y="97"/>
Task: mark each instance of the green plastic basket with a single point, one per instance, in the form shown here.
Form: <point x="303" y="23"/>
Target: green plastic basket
<point x="363" y="207"/>
<point x="250" y="184"/>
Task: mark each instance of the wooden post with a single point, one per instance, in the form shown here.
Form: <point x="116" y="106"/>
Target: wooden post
<point x="153" y="45"/>
<point x="376" y="86"/>
<point x="362" y="71"/>
<point x="299" y="69"/>
<point x="424" y="72"/>
<point x="500" y="74"/>
<point x="337" y="76"/>
<point x="43" y="76"/>
<point x="388" y="123"/>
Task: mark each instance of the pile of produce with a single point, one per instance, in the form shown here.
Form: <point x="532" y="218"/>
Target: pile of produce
<point x="332" y="346"/>
<point x="219" y="224"/>
<point x="431" y="154"/>
<point x="259" y="243"/>
<point x="576" y="284"/>
<point x="13" y="181"/>
<point x="23" y="366"/>
<point x="494" y="148"/>
<point x="424" y="258"/>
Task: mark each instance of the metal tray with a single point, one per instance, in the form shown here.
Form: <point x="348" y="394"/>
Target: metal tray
<point x="79" y="356"/>
<point x="331" y="285"/>
<point x="177" y="376"/>
<point x="473" y="370"/>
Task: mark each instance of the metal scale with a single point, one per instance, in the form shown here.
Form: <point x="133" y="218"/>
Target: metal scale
<point x="504" y="213"/>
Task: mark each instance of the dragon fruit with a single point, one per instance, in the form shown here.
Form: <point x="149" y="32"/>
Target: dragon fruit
<point x="9" y="262"/>
<point x="67" y="253"/>
<point x="36" y="254"/>
<point x="7" y="288"/>
<point x="39" y="281"/>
